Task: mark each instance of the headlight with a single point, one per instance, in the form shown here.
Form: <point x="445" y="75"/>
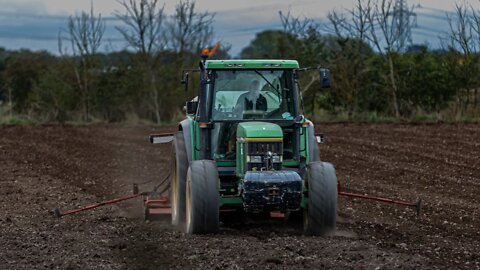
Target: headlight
<point x="254" y="159"/>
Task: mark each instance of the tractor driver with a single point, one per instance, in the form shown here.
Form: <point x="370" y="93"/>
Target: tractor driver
<point x="253" y="100"/>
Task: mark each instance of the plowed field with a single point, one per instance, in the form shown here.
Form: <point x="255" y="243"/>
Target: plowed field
<point x="43" y="167"/>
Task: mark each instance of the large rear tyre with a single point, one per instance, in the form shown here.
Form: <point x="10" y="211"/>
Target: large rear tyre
<point x="202" y="198"/>
<point x="177" y="189"/>
<point x="321" y="214"/>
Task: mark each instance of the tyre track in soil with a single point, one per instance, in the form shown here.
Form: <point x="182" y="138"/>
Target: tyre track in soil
<point x="46" y="166"/>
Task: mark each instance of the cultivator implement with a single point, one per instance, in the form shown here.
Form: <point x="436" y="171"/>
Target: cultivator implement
<point x="157" y="207"/>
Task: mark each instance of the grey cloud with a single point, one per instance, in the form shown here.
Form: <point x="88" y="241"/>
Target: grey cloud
<point x="30" y="7"/>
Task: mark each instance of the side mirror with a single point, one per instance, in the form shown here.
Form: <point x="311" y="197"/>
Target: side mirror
<point x="320" y="138"/>
<point x="192" y="107"/>
<point x="185" y="81"/>
<point x="325" y="78"/>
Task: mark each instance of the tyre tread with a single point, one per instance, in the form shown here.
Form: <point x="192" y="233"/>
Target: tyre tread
<point x="322" y="207"/>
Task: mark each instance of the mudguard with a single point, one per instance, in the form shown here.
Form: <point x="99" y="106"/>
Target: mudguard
<point x="184" y="126"/>
<point x="313" y="151"/>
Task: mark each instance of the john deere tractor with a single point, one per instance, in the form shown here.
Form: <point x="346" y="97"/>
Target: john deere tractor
<point x="246" y="148"/>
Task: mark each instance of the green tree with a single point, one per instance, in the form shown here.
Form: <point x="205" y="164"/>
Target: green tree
<point x="23" y="70"/>
<point x="53" y="96"/>
<point x="4" y="93"/>
<point x="426" y="82"/>
<point x="271" y="44"/>
<point x="349" y="64"/>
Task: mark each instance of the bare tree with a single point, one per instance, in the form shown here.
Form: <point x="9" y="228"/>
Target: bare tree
<point x="357" y="25"/>
<point x="462" y="25"/>
<point x="84" y="33"/>
<point x="464" y="36"/>
<point x="382" y="16"/>
<point x="476" y="25"/>
<point x="385" y="25"/>
<point x="352" y="28"/>
<point x="144" y="27"/>
<point x="151" y="33"/>
<point x="388" y="34"/>
<point x="296" y="26"/>
<point x="188" y="29"/>
<point x="144" y="31"/>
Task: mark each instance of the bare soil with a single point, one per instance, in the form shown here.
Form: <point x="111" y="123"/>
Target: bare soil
<point x="43" y="167"/>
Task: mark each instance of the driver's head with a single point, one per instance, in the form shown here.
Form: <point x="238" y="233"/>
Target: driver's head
<point x="255" y="87"/>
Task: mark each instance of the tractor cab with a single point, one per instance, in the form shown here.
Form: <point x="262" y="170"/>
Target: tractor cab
<point x="260" y="95"/>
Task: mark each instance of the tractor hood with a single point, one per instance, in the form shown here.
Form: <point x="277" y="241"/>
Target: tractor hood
<point x="259" y="130"/>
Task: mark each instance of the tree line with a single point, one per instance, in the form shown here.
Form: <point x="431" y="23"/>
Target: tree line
<point x="376" y="69"/>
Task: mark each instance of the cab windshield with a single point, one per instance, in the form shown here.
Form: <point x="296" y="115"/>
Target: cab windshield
<point x="253" y="94"/>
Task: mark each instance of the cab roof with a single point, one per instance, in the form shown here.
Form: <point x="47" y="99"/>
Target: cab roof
<point x="253" y="64"/>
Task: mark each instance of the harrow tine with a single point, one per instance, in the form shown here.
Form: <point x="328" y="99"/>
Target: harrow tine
<point x="417" y="205"/>
<point x="57" y="213"/>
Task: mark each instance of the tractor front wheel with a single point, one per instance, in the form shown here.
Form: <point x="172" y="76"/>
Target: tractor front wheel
<point x="320" y="216"/>
<point x="202" y="198"/>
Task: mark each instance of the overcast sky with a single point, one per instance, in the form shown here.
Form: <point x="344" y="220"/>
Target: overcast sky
<point x="35" y="24"/>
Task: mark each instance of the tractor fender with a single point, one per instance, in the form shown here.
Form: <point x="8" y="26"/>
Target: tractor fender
<point x="184" y="127"/>
<point x="313" y="151"/>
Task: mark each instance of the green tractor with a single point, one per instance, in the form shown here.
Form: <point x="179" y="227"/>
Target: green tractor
<point x="246" y="148"/>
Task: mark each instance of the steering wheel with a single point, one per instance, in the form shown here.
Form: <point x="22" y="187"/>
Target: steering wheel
<point x="253" y="114"/>
<point x="225" y="115"/>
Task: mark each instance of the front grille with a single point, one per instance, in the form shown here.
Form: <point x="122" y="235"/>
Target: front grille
<point x="261" y="149"/>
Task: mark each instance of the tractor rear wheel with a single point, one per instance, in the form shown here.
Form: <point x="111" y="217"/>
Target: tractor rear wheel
<point x="320" y="216"/>
<point x="177" y="189"/>
<point x="202" y="204"/>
